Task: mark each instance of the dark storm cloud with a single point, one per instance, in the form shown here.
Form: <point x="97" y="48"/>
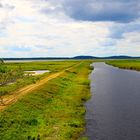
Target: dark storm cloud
<point x="100" y="10"/>
<point x="91" y="10"/>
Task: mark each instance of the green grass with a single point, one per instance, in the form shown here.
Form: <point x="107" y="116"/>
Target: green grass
<point x="53" y="112"/>
<point x="53" y="66"/>
<point x="126" y="64"/>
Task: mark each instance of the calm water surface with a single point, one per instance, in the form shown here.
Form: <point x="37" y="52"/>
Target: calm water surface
<point x="113" y="112"/>
<point x="38" y="72"/>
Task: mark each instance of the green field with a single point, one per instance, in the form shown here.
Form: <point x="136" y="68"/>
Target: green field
<point x="55" y="111"/>
<point x="125" y="64"/>
<point x="53" y="66"/>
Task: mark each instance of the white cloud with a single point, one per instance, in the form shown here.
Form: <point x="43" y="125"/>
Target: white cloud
<point x="54" y="33"/>
<point x="129" y="45"/>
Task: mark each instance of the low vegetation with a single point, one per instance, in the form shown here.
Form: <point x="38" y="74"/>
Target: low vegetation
<point x="126" y="64"/>
<point x="13" y="78"/>
<point x="9" y="76"/>
<point x="55" y="111"/>
<point x="53" y="66"/>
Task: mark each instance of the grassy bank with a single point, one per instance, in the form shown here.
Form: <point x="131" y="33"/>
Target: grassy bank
<point x="125" y="64"/>
<point x="52" y="66"/>
<point x="53" y="112"/>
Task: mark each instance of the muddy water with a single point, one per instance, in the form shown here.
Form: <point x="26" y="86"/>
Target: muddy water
<point x="113" y="112"/>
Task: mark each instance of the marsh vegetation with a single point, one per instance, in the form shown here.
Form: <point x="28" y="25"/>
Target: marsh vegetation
<point x="126" y="64"/>
<point x="13" y="76"/>
<point x="55" y="110"/>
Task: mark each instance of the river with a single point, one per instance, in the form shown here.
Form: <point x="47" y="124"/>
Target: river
<point x="113" y="112"/>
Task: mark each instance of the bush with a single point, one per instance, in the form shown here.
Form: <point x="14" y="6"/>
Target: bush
<point x="8" y="76"/>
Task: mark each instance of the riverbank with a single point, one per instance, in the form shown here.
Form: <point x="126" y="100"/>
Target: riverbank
<point x="53" y="111"/>
<point x="126" y="64"/>
<point x="112" y="113"/>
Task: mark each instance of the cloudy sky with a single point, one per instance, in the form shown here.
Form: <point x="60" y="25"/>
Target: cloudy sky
<point x="48" y="28"/>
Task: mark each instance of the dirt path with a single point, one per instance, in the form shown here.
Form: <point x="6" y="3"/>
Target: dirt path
<point x="14" y="97"/>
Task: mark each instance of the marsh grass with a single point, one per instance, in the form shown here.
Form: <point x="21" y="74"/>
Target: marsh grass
<point x="53" y="66"/>
<point x="27" y="66"/>
<point x="53" y="112"/>
<point x="126" y="64"/>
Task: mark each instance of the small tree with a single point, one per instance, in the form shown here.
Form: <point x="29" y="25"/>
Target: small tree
<point x="8" y="76"/>
<point x="1" y="61"/>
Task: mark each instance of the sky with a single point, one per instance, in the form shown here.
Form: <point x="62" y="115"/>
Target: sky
<point x="66" y="28"/>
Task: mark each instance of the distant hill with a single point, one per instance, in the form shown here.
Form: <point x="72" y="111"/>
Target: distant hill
<point x="84" y="57"/>
<point x="109" y="57"/>
<point x="120" y="57"/>
<point x="76" y="57"/>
